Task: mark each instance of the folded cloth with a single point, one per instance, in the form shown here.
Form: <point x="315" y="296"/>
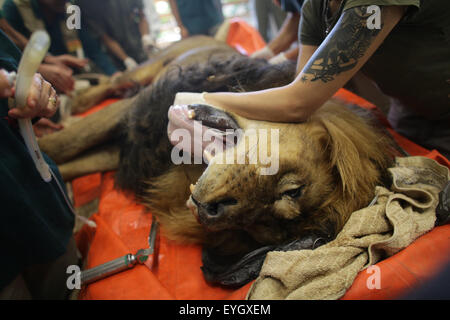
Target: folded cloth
<point x="399" y="216"/>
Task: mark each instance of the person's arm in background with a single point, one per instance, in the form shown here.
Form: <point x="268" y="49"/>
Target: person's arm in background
<point x="290" y="54"/>
<point x="15" y="36"/>
<point x="59" y="76"/>
<point x="329" y="68"/>
<point x="94" y="52"/>
<point x="144" y="27"/>
<point x="66" y="60"/>
<point x="284" y="39"/>
<point x="117" y="50"/>
<point x="97" y="32"/>
<point x="174" y="7"/>
<point x="14" y="18"/>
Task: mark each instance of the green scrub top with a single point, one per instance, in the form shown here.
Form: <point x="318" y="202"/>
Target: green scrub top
<point x="200" y="16"/>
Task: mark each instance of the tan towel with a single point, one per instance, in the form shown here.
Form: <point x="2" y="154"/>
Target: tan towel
<point x="400" y="216"/>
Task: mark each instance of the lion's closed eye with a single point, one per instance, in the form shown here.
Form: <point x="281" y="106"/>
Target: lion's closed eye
<point x="294" y="193"/>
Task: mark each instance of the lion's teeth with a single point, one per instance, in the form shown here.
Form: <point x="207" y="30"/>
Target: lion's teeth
<point x="208" y="156"/>
<point x="191" y="114"/>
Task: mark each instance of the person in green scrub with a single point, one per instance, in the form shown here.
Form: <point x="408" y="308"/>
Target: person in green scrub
<point x="36" y="225"/>
<point x="401" y="45"/>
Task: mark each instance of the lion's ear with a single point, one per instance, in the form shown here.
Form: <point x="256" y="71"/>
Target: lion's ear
<point x="357" y="152"/>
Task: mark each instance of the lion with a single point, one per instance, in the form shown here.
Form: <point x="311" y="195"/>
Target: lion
<point x="328" y="166"/>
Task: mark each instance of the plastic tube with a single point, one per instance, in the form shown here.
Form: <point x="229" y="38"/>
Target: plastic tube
<point x="32" y="57"/>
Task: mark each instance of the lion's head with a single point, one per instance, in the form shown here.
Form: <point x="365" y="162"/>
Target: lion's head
<point x="313" y="176"/>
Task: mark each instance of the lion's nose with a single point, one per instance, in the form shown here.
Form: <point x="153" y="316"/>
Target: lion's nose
<point x="214" y="209"/>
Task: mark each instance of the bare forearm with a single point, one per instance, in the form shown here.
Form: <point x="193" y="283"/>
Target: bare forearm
<point x="17" y="37"/>
<point x="115" y="48"/>
<point x="144" y="27"/>
<point x="326" y="70"/>
<point x="277" y="104"/>
<point x="287" y="34"/>
<point x="176" y="14"/>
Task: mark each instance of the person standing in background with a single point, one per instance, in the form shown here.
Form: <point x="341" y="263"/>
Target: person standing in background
<point x="195" y="17"/>
<point x="122" y="27"/>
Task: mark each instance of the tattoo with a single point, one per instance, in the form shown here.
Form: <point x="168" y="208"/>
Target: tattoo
<point x="304" y="78"/>
<point x="348" y="44"/>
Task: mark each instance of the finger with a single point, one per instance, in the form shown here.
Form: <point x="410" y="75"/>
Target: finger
<point x="23" y="113"/>
<point x="47" y="123"/>
<point x="80" y="63"/>
<point x="29" y="110"/>
<point x="53" y="104"/>
<point x="67" y="82"/>
<point x="34" y="93"/>
<point x="63" y="84"/>
<point x="75" y="62"/>
<point x="44" y="97"/>
<point x="55" y="126"/>
<point x="5" y="86"/>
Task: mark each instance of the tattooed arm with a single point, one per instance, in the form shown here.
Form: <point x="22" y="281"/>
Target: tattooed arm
<point x="345" y="50"/>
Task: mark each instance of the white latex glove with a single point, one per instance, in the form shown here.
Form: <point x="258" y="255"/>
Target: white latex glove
<point x="279" y="58"/>
<point x="264" y="53"/>
<point x="130" y="64"/>
<point x="148" y="43"/>
<point x="188" y="98"/>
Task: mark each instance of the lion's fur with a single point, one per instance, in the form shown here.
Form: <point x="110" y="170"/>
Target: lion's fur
<point x="348" y="157"/>
<point x="167" y="195"/>
<point x="358" y="155"/>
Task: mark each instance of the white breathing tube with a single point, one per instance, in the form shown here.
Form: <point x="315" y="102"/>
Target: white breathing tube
<point x="32" y="57"/>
